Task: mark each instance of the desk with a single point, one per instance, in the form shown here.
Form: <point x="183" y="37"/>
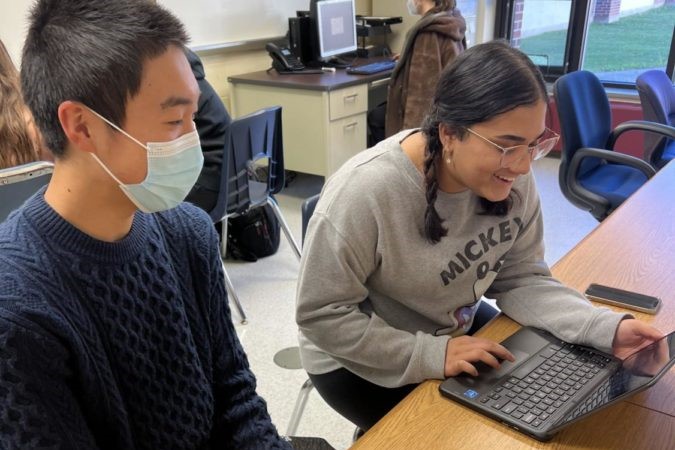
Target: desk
<point x="632" y="249"/>
<point x="324" y="115"/>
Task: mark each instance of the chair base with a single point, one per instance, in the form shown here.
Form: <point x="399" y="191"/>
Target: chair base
<point x="299" y="407"/>
<point x="233" y="296"/>
<point x="289" y="358"/>
<point x="284" y="226"/>
<point x="223" y="253"/>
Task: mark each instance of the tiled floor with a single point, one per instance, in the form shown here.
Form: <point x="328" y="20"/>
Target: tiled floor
<point x="267" y="291"/>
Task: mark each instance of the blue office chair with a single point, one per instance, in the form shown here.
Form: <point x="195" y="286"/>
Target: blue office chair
<point x="592" y="176"/>
<point x="19" y="183"/>
<point x="657" y="96"/>
<point x="251" y="142"/>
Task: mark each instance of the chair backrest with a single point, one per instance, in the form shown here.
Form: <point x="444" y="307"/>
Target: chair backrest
<point x="308" y="207"/>
<point x="585" y="122"/>
<point x="585" y="116"/>
<point x="657" y="97"/>
<point x="19" y="183"/>
<point x="255" y="137"/>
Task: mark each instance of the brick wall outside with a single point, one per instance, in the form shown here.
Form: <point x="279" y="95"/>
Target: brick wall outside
<point x="606" y="11"/>
<point x="517" y="23"/>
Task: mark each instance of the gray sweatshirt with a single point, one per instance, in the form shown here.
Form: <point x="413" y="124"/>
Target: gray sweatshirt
<point x="376" y="298"/>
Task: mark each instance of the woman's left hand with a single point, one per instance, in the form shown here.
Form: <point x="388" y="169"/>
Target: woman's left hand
<point x="632" y="335"/>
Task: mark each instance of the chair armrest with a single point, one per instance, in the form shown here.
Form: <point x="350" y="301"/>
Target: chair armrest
<point x="640" y="125"/>
<point x="610" y="156"/>
<point x="607" y="155"/>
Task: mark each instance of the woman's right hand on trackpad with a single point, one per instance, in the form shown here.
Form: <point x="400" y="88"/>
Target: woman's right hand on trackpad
<point x="463" y="351"/>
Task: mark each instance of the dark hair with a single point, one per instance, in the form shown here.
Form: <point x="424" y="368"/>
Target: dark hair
<point x="443" y="5"/>
<point x="483" y="82"/>
<point x="90" y="51"/>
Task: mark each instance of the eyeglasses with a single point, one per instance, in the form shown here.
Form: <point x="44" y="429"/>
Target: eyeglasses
<point x="513" y="155"/>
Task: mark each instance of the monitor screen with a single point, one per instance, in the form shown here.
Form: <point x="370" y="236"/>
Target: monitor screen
<point x="336" y="27"/>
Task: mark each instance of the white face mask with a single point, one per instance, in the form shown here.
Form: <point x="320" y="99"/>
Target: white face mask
<point x="412" y="8"/>
<point x="173" y="169"/>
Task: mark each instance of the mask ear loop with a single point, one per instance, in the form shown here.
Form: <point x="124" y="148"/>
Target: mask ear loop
<point x="95" y="156"/>
<point x="117" y="128"/>
<point x="100" y="163"/>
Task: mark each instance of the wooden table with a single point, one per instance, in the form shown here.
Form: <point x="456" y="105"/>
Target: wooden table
<point x="632" y="249"/>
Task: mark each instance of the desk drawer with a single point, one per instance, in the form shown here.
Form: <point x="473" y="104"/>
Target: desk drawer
<point x="348" y="101"/>
<point x="347" y="138"/>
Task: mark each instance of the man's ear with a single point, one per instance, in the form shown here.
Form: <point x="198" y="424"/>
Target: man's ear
<point x="78" y="123"/>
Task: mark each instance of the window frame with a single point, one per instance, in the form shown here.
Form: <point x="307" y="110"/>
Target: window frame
<point x="574" y="42"/>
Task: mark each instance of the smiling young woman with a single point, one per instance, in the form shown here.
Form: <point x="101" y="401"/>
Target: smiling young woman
<point x="409" y="235"/>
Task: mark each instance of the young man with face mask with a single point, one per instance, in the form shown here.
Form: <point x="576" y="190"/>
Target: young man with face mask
<point x="114" y="324"/>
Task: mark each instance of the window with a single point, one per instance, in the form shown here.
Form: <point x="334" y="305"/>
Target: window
<point x="615" y="39"/>
<point x="626" y="37"/>
<point x="468" y="8"/>
<point x="539" y="29"/>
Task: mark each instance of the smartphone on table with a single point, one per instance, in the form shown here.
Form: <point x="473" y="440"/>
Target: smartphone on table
<point x="625" y="299"/>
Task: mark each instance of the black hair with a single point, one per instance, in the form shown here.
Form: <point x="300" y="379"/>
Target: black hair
<point x="483" y="82"/>
<point x="93" y="52"/>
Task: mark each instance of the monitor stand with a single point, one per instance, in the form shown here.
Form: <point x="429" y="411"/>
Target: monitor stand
<point x="335" y="62"/>
<point x="338" y="63"/>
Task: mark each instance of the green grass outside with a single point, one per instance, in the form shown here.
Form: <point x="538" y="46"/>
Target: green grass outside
<point x="634" y="42"/>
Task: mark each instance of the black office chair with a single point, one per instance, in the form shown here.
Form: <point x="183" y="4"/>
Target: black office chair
<point x="289" y="358"/>
<point x="657" y="97"/>
<point x="592" y="175"/>
<point x="251" y="141"/>
<point x="19" y="183"/>
<point x="307" y="210"/>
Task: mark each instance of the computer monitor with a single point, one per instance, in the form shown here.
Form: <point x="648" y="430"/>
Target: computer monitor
<point x="334" y="26"/>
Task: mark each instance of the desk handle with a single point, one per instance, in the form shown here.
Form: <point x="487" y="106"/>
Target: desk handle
<point x="350" y="98"/>
<point x="351" y="126"/>
<point x="377" y="83"/>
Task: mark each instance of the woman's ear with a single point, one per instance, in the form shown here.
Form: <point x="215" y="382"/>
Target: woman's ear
<point x="446" y="135"/>
<point x="447" y="138"/>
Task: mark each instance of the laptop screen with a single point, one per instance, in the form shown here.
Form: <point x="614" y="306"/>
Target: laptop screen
<point x="636" y="372"/>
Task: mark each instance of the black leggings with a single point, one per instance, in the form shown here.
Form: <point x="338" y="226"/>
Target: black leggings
<point x="364" y="403"/>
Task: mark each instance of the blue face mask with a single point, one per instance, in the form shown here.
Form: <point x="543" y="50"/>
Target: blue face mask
<point x="173" y="169"/>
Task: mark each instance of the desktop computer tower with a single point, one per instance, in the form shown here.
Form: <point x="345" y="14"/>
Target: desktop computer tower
<point x="300" y="38"/>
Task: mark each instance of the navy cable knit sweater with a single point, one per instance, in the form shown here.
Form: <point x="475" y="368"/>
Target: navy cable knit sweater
<point x="125" y="345"/>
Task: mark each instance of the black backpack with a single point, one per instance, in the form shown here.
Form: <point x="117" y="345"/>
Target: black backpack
<point x="253" y="235"/>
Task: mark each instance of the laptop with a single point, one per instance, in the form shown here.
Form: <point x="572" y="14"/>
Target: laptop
<point x="553" y="384"/>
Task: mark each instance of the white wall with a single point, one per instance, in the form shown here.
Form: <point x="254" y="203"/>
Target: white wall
<point x="213" y="22"/>
<point x="220" y="65"/>
<point x="395" y="8"/>
<point x="13" y="25"/>
<point x="634" y="6"/>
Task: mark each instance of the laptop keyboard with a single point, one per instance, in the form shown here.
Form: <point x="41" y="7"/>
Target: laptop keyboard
<point x="539" y="388"/>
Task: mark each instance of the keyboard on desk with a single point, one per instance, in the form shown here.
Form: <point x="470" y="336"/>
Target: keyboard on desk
<point x="533" y="395"/>
<point x="552" y="383"/>
<point x="371" y="68"/>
